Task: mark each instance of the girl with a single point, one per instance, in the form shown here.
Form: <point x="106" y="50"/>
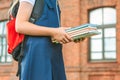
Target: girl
<point x="42" y="58"/>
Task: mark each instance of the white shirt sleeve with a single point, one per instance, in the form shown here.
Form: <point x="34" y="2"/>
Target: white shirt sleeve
<point x="30" y="1"/>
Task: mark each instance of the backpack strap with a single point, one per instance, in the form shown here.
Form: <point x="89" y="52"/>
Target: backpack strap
<point x="37" y="10"/>
<point x="15" y="9"/>
<point x="36" y="13"/>
<point x="21" y="56"/>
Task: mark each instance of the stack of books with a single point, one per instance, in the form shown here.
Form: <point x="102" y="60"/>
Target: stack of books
<point x="86" y="30"/>
<point x="82" y="31"/>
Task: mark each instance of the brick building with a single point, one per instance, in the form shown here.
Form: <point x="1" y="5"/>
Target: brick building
<point x="96" y="58"/>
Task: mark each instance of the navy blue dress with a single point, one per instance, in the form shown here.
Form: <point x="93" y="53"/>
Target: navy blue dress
<point x="43" y="59"/>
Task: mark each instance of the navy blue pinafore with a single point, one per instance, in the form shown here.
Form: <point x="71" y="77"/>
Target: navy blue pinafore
<point x="43" y="59"/>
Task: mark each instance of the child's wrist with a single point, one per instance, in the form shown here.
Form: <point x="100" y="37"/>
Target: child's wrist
<point x="52" y="32"/>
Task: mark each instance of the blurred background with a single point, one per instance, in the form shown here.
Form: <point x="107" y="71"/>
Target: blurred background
<point x="95" y="58"/>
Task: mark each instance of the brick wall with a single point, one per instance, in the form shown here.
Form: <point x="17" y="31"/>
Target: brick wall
<point x="8" y="71"/>
<point x="4" y="6"/>
<point x="78" y="67"/>
<point x="74" y="13"/>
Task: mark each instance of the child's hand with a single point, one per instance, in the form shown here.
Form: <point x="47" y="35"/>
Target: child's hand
<point x="61" y="36"/>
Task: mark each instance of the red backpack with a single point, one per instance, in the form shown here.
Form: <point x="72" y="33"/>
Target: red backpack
<point x="16" y="41"/>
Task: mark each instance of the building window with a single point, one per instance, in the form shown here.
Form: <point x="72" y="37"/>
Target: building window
<point x="103" y="46"/>
<point x="4" y="56"/>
